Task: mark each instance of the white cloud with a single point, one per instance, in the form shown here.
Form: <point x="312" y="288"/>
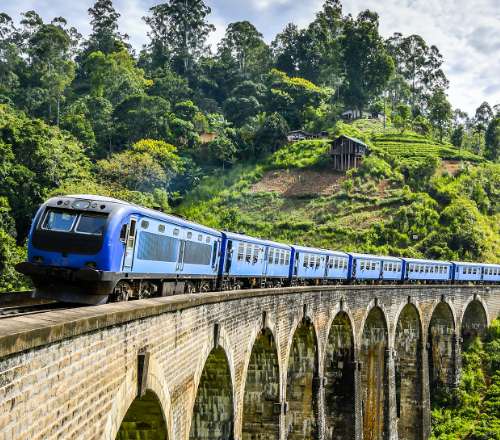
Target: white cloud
<point x="466" y="32"/>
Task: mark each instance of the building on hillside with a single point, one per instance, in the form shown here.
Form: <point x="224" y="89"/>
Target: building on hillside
<point x="301" y="135"/>
<point x="347" y="152"/>
<point x="353" y="114"/>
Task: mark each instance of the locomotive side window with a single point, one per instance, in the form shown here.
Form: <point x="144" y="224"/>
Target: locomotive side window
<point x="197" y="253"/>
<point x="153" y="247"/>
<point x="92" y="224"/>
<point x="59" y="221"/>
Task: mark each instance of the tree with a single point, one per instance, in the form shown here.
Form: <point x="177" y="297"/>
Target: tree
<point x="402" y="117"/>
<point x="457" y="136"/>
<point x="105" y="37"/>
<point x="141" y="117"/>
<point x="440" y="112"/>
<point x="420" y="65"/>
<point x="492" y="139"/>
<point x="286" y="51"/>
<point x="272" y="135"/>
<point x="368" y="66"/>
<point x="246" y="45"/>
<point x="179" y="31"/>
<point x="49" y="50"/>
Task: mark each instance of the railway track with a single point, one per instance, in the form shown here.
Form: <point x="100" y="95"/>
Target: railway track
<point x="14" y="311"/>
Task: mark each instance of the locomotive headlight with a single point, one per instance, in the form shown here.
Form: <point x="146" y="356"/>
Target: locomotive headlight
<point x="81" y="204"/>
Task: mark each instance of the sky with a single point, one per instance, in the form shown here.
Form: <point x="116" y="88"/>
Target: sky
<point x="467" y="32"/>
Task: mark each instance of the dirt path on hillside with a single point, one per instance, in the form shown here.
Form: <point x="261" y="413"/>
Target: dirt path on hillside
<point x="300" y="183"/>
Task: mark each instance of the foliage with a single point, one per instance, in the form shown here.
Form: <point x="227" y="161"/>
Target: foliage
<point x="301" y="154"/>
<point x="473" y="411"/>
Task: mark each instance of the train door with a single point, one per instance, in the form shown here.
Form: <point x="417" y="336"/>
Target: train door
<point x="215" y="255"/>
<point x="265" y="256"/>
<point x="296" y="264"/>
<point x="327" y="262"/>
<point x="229" y="256"/>
<point x="180" y="260"/>
<point x="130" y="239"/>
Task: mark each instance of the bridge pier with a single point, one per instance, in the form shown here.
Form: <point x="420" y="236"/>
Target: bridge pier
<point x="350" y="362"/>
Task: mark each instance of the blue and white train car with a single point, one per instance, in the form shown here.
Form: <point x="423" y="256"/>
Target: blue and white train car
<point x="427" y="270"/>
<point x="375" y="267"/>
<point x="491" y="273"/>
<point x="463" y="271"/>
<point x="318" y="264"/>
<point x="252" y="262"/>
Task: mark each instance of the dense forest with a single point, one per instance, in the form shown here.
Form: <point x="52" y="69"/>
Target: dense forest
<point x="158" y="126"/>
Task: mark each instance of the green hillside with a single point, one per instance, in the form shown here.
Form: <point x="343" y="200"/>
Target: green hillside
<point x="403" y="200"/>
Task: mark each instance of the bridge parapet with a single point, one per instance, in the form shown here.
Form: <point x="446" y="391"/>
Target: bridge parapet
<point x="76" y="373"/>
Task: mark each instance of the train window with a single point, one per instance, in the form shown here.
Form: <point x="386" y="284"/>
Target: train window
<point x="336" y="263"/>
<point x="276" y="256"/>
<point x="311" y="261"/>
<point x="241" y="251"/>
<point x="287" y="258"/>
<point x="361" y="265"/>
<point x="189" y="235"/>
<point x="374" y="265"/>
<point x="248" y="253"/>
<point x="318" y="261"/>
<point x="306" y="260"/>
<point x="255" y="254"/>
<point x="161" y="228"/>
<point x="214" y="252"/>
<point x="271" y="255"/>
<point x="200" y="237"/>
<point x="154" y="247"/>
<point x="197" y="253"/>
<point x="345" y="264"/>
<point x="59" y="221"/>
<point x="282" y="257"/>
<point x="144" y="224"/>
<point x="207" y="239"/>
<point x="92" y="224"/>
<point x="176" y="232"/>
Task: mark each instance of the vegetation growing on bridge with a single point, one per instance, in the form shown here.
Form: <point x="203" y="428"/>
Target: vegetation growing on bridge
<point x="472" y="412"/>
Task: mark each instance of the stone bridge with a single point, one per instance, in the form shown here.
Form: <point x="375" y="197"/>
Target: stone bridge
<point x="350" y="362"/>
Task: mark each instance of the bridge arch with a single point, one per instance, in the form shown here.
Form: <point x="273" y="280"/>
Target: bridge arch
<point x="213" y="407"/>
<point x="441" y="346"/>
<point x="126" y="403"/>
<point x="374" y="352"/>
<point x="474" y="319"/>
<point x="408" y="368"/>
<point x="261" y="388"/>
<point x="302" y="382"/>
<point x="339" y="371"/>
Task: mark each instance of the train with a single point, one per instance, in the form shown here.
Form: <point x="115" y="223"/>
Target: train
<point x="89" y="249"/>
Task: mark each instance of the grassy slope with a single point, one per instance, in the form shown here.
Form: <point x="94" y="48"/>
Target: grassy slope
<point x="347" y="219"/>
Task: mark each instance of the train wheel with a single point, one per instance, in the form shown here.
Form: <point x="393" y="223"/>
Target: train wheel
<point x="122" y="292"/>
<point x="190" y="288"/>
<point x="204" y="287"/>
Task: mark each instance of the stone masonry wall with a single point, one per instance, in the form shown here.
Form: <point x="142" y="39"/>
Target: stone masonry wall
<point x="74" y="374"/>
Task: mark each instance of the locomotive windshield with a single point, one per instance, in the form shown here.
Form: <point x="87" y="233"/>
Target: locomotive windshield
<point x="62" y="221"/>
<point x="70" y="231"/>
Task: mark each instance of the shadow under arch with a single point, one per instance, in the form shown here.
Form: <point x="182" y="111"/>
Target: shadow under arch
<point x="474" y="322"/>
<point x="262" y="390"/>
<point x="302" y="383"/>
<point x="213" y="413"/>
<point x="409" y="373"/>
<point x="339" y="373"/>
<point x="144" y="420"/>
<point x="374" y="375"/>
<point x="441" y="346"/>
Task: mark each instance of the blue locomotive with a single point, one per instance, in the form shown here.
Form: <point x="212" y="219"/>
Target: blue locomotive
<point x="90" y="249"/>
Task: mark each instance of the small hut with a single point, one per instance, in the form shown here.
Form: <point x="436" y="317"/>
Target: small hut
<point x="347" y="152"/>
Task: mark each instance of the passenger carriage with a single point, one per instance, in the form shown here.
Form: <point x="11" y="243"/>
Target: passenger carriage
<point x="312" y="265"/>
<point x="252" y="262"/>
<point x="491" y="273"/>
<point x="427" y="270"/>
<point x="376" y="267"/>
<point x="463" y="271"/>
